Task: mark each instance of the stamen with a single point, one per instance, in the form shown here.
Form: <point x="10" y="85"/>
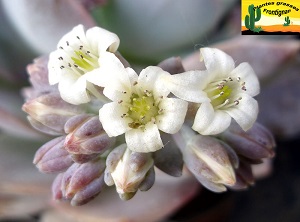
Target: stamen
<point x="223" y="104"/>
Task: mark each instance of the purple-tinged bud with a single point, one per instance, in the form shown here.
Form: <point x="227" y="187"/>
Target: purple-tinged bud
<point x="208" y="159"/>
<point x="56" y="187"/>
<point x="129" y="171"/>
<point x="169" y="159"/>
<point x="83" y="158"/>
<point x="244" y="176"/>
<point x="83" y="182"/>
<point x="38" y="77"/>
<point x="52" y="157"/>
<point x="172" y="65"/>
<point x="51" y="112"/>
<point x="257" y="143"/>
<point x="86" y="135"/>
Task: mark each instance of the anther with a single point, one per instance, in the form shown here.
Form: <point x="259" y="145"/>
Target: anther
<point x="60" y="58"/>
<point x="244" y="88"/>
<point x="238" y="79"/>
<point x="76" y="65"/>
<point x="230" y="79"/>
<point x="80" y="47"/>
<point x="120" y="101"/>
<point x="220" y="86"/>
<point x="135" y="83"/>
<point x="221" y="93"/>
<point x="77" y="37"/>
<point x="81" y="56"/>
<point x="67" y="43"/>
<point x="69" y="64"/>
<point x="61" y="47"/>
<point x="236" y="102"/>
<point x="124" y="92"/>
<point x="62" y="67"/>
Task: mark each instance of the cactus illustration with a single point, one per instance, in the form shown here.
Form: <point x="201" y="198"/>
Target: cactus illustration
<point x="287" y="21"/>
<point x="251" y="18"/>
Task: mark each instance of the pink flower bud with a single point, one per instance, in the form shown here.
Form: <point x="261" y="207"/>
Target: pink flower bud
<point x="86" y="135"/>
<point x="52" y="157"/>
<point x="257" y="143"/>
<point x="38" y="77"/>
<point x="82" y="182"/>
<point x="51" y="112"/>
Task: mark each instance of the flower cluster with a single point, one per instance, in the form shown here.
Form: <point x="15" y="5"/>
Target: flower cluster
<point x="114" y="127"/>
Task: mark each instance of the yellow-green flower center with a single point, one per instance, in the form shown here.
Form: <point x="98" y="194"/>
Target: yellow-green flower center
<point x="84" y="61"/>
<point x="142" y="110"/>
<point x="222" y="94"/>
<point x="219" y="95"/>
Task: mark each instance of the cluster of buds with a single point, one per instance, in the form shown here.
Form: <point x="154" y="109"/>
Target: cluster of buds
<point x="114" y="127"/>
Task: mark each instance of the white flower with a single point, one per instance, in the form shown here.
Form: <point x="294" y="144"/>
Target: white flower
<point x="140" y="107"/>
<point x="222" y="91"/>
<point x="77" y="57"/>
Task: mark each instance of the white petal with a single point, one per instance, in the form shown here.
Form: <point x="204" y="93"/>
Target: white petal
<point x="54" y="72"/>
<point x="245" y="113"/>
<point x="72" y="36"/>
<point x="217" y="62"/>
<point x="173" y="115"/>
<point x="188" y="85"/>
<point x="110" y="117"/>
<point x="210" y="122"/>
<point x="247" y="75"/>
<point x="111" y="72"/>
<point x="73" y="89"/>
<point x="150" y="79"/>
<point x="102" y="39"/>
<point x="147" y="140"/>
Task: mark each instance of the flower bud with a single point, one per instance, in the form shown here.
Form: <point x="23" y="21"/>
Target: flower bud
<point x="83" y="158"/>
<point x="86" y="135"/>
<point x="52" y="157"/>
<point x="49" y="113"/>
<point x="83" y="182"/>
<point x="38" y="77"/>
<point x="56" y="187"/>
<point x="209" y="161"/>
<point x="169" y="159"/>
<point x="256" y="143"/>
<point x="129" y="171"/>
<point x="244" y="176"/>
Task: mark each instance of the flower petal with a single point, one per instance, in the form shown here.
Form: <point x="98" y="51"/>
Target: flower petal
<point x="113" y="73"/>
<point x="174" y="111"/>
<point x="147" y="140"/>
<point x="112" y="122"/>
<point x="246" y="112"/>
<point x="217" y="62"/>
<point x="73" y="89"/>
<point x="102" y="39"/>
<point x="149" y="79"/>
<point x="209" y="122"/>
<point x="188" y="85"/>
<point x="246" y="73"/>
